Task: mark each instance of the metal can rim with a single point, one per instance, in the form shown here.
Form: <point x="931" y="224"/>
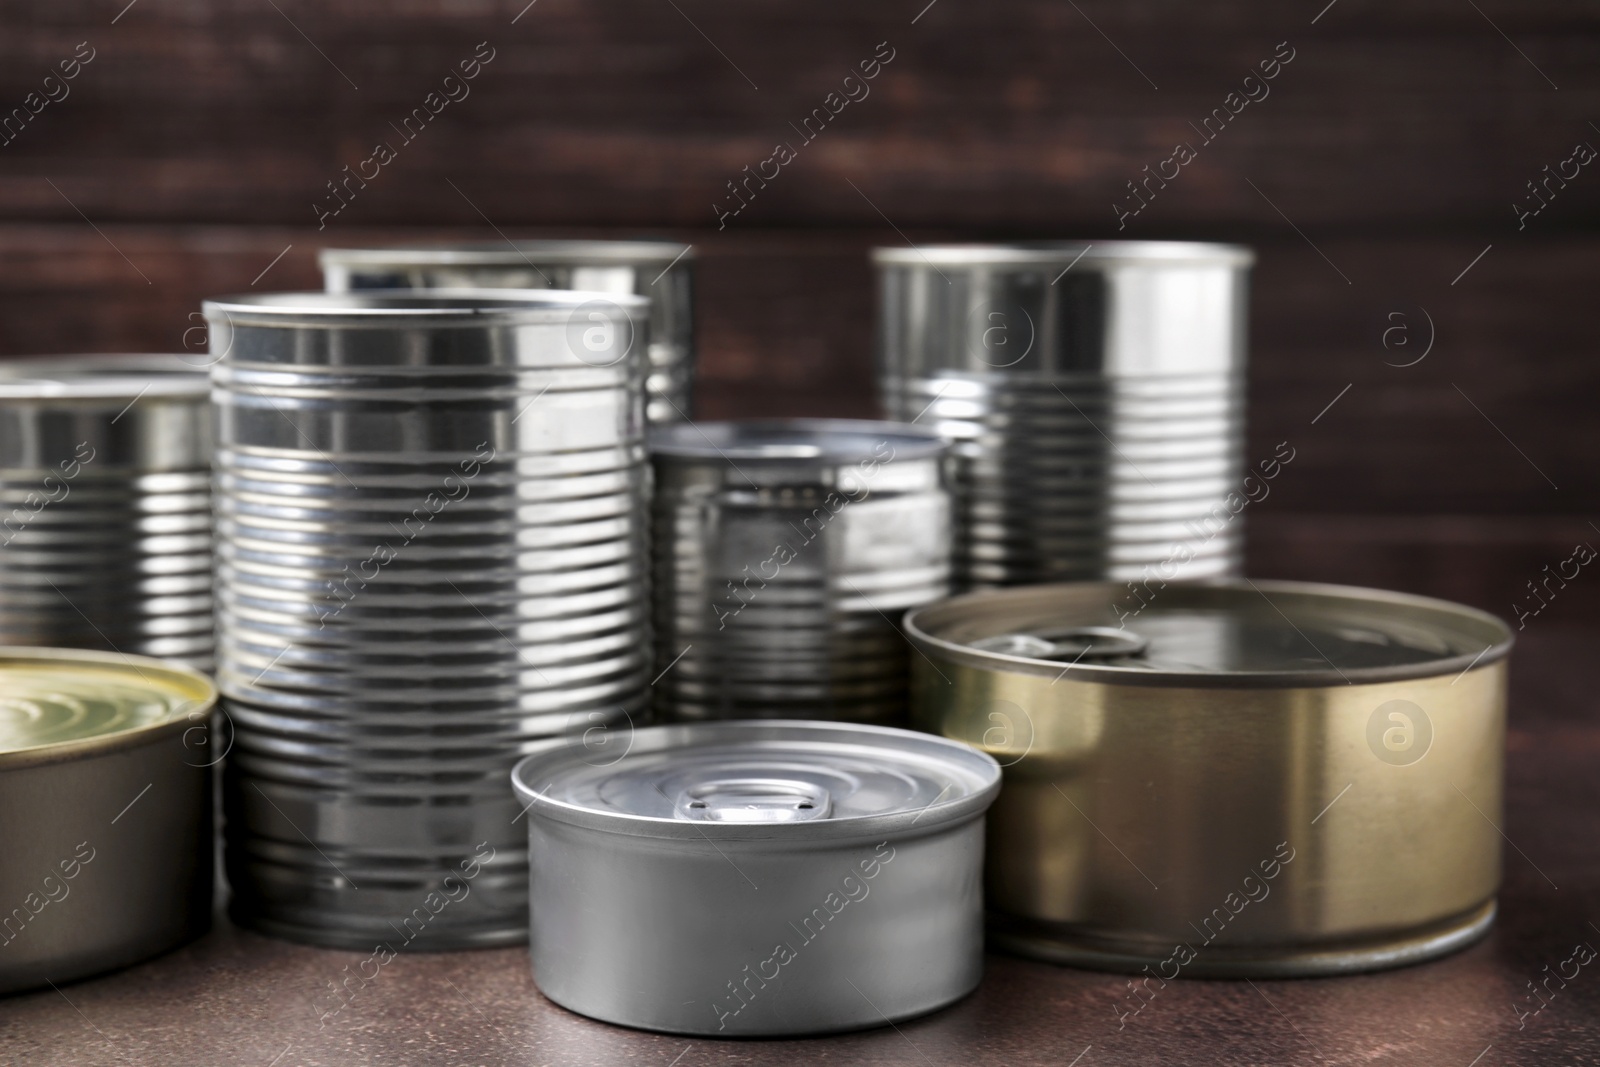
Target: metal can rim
<point x="1493" y="629"/>
<point x="84" y="748"/>
<point x="1048" y="253"/>
<point x="464" y="307"/>
<point x="529" y="252"/>
<point x="934" y="816"/>
<point x="697" y="442"/>
<point x="102" y="376"/>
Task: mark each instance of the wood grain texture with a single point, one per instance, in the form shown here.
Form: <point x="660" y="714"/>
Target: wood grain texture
<point x="1020" y="116"/>
<point x="1510" y="566"/>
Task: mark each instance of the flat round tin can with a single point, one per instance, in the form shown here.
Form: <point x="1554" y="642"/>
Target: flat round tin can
<point x="1239" y="779"/>
<point x="105" y="781"/>
<point x="756" y="878"/>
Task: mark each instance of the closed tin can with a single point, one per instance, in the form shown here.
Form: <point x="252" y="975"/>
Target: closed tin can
<point x="745" y="879"/>
<point x="105" y="505"/>
<point x="105" y="781"/>
<point x="783" y="550"/>
<point x="431" y="513"/>
<point x="660" y="271"/>
<point x="1241" y="779"/>
<point x="1094" y="394"/>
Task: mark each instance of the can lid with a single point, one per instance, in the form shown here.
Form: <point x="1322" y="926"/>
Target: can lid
<point x="511" y="254"/>
<point x="1061" y="253"/>
<point x="379" y="307"/>
<point x="786" y="441"/>
<point x="62" y="701"/>
<point x="758" y="780"/>
<point x="1231" y="634"/>
<point x="103" y="377"/>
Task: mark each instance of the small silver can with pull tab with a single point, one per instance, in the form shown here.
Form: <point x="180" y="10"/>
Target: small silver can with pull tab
<point x="756" y="878"/>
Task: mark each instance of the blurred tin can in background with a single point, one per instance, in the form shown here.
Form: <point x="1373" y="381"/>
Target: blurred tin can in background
<point x="105" y="505"/>
<point x="784" y="552"/>
<point x="1094" y="394"/>
<point x="431" y="512"/>
<point x="1251" y="779"/>
<point x="660" y="271"/>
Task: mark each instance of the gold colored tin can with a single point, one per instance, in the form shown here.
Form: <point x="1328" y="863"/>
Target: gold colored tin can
<point x="1238" y="779"/>
<point x="105" y="785"/>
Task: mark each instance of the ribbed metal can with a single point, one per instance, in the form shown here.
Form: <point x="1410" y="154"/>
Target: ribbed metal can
<point x="783" y="551"/>
<point x="431" y="517"/>
<point x="661" y="271"/>
<point x="1094" y="394"/>
<point x="105" y="505"/>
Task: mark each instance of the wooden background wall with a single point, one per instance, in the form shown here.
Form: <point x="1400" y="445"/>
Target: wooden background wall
<point x="1378" y="181"/>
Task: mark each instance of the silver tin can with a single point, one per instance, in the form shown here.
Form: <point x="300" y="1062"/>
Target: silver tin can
<point x="661" y="271"/>
<point x="1095" y="396"/>
<point x="105" y="780"/>
<point x="105" y="505"/>
<point x="783" y="551"/>
<point x="744" y="879"/>
<point x="431" y="518"/>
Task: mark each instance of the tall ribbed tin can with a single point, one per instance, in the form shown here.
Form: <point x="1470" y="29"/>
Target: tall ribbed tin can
<point x="105" y="505"/>
<point x="1094" y="394"/>
<point x="661" y="271"/>
<point x="431" y="528"/>
<point x="783" y="552"/>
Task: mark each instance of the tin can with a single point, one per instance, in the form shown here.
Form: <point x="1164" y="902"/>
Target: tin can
<point x="1094" y="394"/>
<point x="105" y="781"/>
<point x="783" y="550"/>
<point x="745" y="879"/>
<point x="661" y="271"/>
<point x="431" y="514"/>
<point x="105" y="505"/>
<point x="1250" y="779"/>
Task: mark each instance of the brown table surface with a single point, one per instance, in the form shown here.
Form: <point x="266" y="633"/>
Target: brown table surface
<point x="236" y="998"/>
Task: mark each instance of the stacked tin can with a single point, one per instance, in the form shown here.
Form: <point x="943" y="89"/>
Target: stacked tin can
<point x="105" y="505"/>
<point x="1094" y="394"/>
<point x="661" y="271"/>
<point x="783" y="551"/>
<point x="431" y="521"/>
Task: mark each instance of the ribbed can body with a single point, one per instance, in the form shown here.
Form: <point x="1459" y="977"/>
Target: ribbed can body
<point x="1094" y="398"/>
<point x="431" y="555"/>
<point x="784" y="551"/>
<point x="660" y="271"/>
<point x="105" y="505"/>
